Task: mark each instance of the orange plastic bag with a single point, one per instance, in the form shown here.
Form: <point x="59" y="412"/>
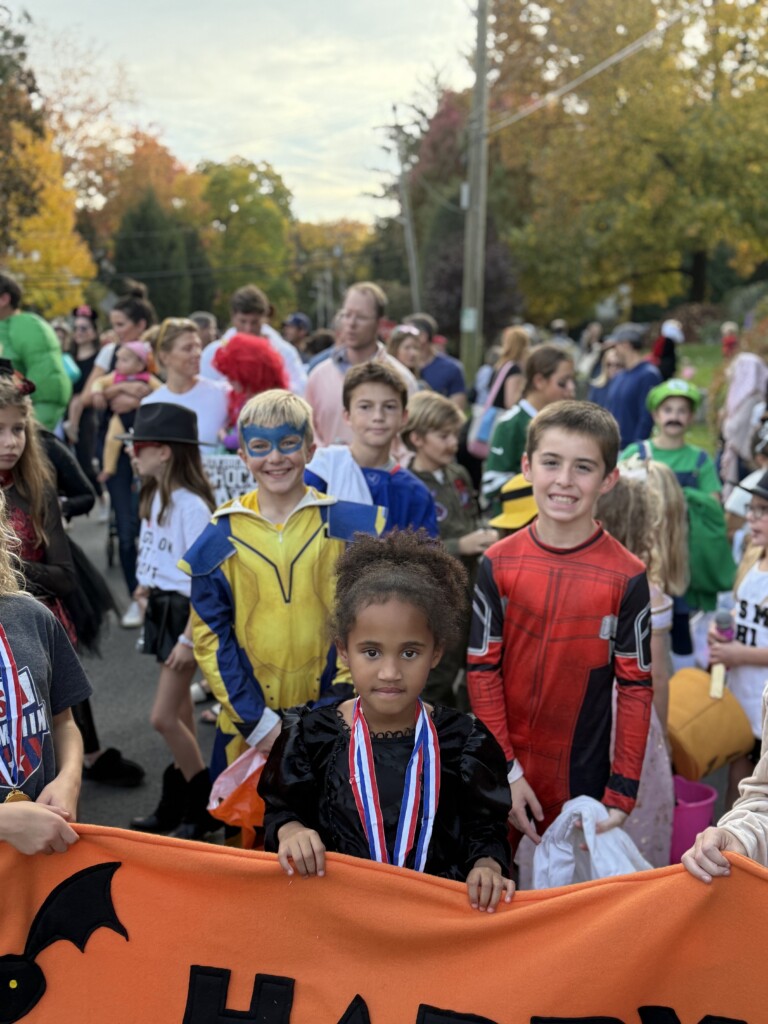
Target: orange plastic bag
<point x="234" y="799"/>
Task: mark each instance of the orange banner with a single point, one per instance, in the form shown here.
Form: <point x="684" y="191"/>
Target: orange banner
<point x="132" y="929"/>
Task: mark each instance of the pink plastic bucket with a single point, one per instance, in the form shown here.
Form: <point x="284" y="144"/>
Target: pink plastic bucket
<point x="694" y="808"/>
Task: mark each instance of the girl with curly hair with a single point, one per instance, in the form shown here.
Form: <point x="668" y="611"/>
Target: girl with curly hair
<point x="385" y="776"/>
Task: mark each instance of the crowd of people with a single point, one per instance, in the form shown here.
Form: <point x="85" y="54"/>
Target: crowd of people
<point x="439" y="611"/>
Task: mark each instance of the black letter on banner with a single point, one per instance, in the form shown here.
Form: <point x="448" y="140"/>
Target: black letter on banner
<point x="431" y="1015"/>
<point x="716" y="1019"/>
<point x="207" y="998"/>
<point x="666" y="1015"/>
<point x="576" y="1020"/>
<point x="356" y="1012"/>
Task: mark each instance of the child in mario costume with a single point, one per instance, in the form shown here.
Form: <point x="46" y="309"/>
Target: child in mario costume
<point x="673" y="405"/>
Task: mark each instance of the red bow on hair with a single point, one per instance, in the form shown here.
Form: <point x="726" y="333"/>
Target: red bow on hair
<point x="23" y="384"/>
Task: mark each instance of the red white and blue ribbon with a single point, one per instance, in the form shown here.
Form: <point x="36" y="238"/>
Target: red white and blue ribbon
<point x="13" y="697"/>
<point x="421" y="790"/>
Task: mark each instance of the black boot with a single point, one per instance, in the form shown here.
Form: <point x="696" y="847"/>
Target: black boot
<point x="197" y="823"/>
<point x="169" y="811"/>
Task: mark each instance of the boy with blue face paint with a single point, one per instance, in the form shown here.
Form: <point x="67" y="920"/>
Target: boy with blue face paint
<point x="263" y="581"/>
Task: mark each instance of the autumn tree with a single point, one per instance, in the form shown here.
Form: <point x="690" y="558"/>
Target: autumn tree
<point x="437" y="154"/>
<point x="21" y="123"/>
<point x="646" y="170"/>
<point x="48" y="255"/>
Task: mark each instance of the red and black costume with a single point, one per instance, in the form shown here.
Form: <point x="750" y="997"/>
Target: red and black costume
<point x="551" y="629"/>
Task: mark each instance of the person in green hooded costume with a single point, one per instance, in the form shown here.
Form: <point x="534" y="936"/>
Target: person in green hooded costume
<point x="33" y="348"/>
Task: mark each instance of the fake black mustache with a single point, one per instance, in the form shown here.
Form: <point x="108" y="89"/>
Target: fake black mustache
<point x="673" y="423"/>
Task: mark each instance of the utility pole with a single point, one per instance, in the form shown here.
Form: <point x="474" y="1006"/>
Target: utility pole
<point x="405" y="206"/>
<point x="473" y="284"/>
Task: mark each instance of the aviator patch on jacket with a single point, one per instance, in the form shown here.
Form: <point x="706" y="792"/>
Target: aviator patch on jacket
<point x="126" y="928"/>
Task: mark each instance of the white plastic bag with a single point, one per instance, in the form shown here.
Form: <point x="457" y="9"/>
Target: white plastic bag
<point x="559" y="861"/>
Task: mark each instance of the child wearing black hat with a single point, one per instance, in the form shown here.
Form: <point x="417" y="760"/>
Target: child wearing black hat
<point x="175" y="506"/>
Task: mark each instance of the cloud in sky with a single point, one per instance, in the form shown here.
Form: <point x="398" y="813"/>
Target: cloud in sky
<point x="300" y="84"/>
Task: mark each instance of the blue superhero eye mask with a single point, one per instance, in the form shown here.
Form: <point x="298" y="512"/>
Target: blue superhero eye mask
<point x="259" y="442"/>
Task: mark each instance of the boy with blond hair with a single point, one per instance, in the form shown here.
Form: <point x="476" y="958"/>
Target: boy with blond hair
<point x="561" y="609"/>
<point x="375" y="400"/>
<point x="263" y="575"/>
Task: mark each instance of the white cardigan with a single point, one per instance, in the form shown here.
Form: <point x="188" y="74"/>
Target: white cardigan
<point x="748" y="819"/>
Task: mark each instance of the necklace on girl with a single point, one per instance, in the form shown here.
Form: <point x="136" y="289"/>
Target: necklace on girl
<point x="13" y="698"/>
<point x="421" y="788"/>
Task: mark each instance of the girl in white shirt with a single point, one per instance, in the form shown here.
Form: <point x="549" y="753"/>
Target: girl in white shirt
<point x="745" y="652"/>
<point x="175" y="507"/>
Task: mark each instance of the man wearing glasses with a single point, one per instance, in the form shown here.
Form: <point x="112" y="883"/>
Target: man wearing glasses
<point x="357" y="342"/>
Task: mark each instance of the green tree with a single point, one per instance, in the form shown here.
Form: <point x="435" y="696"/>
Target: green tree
<point x="645" y="172"/>
<point x="202" y="284"/>
<point x="21" y="121"/>
<point x="251" y="223"/>
<point x="150" y="247"/>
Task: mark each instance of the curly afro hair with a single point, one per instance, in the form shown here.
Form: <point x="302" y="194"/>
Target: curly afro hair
<point x="403" y="566"/>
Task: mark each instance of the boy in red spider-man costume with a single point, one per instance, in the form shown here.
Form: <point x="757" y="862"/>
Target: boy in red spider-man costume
<point x="560" y="610"/>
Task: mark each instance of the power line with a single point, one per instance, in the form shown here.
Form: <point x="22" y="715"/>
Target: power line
<point x="621" y="55"/>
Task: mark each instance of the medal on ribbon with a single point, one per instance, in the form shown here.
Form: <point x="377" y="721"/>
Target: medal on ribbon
<point x="13" y="697"/>
<point x="421" y="790"/>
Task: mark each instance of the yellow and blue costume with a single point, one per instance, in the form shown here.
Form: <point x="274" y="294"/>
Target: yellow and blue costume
<point x="261" y="598"/>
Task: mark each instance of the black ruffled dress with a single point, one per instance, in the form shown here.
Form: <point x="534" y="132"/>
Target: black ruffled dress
<point x="306" y="779"/>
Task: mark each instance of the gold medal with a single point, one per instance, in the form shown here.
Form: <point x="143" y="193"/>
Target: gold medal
<point x="16" y="796"/>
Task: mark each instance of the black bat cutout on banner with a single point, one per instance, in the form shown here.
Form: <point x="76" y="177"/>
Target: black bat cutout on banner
<point x="72" y="912"/>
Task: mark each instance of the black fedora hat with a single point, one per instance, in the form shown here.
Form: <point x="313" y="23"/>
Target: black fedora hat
<point x="760" y="488"/>
<point x="165" y="423"/>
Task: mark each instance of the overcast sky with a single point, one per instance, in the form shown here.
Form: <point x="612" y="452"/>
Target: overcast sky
<point x="299" y="83"/>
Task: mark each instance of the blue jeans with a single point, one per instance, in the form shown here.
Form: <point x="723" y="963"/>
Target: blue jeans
<point x="125" y="503"/>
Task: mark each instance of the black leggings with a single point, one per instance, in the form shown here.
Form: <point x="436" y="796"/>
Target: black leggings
<point x="83" y="717"/>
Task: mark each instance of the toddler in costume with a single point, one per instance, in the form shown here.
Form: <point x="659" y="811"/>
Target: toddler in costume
<point x="131" y="363"/>
<point x="385" y="776"/>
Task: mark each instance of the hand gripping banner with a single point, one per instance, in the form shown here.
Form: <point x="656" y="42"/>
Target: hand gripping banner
<point x="129" y="928"/>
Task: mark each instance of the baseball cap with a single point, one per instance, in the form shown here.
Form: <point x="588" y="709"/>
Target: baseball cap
<point x="673" y="388"/>
<point x="673" y="330"/>
<point x="634" y="334"/>
<point x="298" y="320"/>
<point x="518" y="507"/>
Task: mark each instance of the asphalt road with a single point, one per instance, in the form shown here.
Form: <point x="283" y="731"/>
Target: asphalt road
<point x="123" y="683"/>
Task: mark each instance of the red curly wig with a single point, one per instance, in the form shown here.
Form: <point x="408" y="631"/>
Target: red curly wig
<point x="252" y="366"/>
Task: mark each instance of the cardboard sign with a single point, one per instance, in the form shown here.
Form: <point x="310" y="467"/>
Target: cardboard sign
<point x="127" y="928"/>
<point x="228" y="476"/>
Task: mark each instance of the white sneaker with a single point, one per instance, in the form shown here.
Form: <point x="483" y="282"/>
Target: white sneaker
<point x="199" y="694"/>
<point x="133" y="618"/>
<point x="103" y="515"/>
